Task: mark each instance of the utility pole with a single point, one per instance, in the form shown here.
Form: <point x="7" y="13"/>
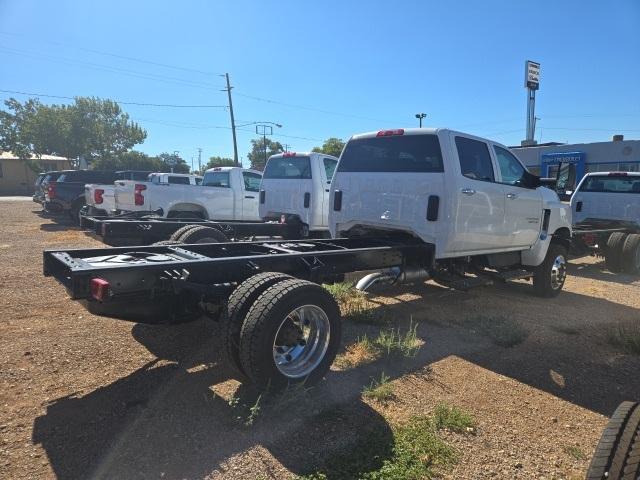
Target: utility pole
<point x="199" y="160"/>
<point x="262" y="130"/>
<point x="233" y="122"/>
<point x="286" y="146"/>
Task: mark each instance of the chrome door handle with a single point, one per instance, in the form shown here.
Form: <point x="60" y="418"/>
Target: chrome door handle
<point x="468" y="191"/>
<point x="512" y="195"/>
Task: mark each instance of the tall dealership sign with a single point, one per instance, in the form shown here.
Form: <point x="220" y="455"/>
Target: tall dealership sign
<point x="532" y="83"/>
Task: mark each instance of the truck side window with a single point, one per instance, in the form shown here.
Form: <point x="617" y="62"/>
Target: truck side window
<point x="511" y="169"/>
<point x="475" y="161"/>
<point x="179" y="180"/>
<point x="329" y="167"/>
<point x="251" y="181"/>
<point x="216" y="179"/>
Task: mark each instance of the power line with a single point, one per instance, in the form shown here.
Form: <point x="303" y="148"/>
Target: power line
<point x="142" y="104"/>
<point x="111" y="69"/>
<point x="123" y="57"/>
<point x="312" y="109"/>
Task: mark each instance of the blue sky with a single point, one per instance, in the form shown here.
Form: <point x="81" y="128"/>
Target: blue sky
<point x="340" y="67"/>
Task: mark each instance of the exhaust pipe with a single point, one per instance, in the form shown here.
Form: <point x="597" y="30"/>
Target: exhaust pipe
<point x="393" y="276"/>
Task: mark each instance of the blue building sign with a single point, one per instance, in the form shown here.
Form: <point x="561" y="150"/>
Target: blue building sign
<point x="548" y="160"/>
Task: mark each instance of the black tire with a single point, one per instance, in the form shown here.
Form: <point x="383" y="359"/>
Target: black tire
<point x="631" y="254"/>
<point x="74" y="212"/>
<point x="166" y="242"/>
<point x="202" y="234"/>
<point x="613" y="251"/>
<point x="549" y="276"/>
<point x="262" y="325"/>
<point x="617" y="456"/>
<point x="181" y="231"/>
<point x="235" y="311"/>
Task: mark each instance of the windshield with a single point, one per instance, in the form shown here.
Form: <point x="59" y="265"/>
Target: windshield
<point x="399" y="153"/>
<point x="288" y="167"/>
<point x="611" y="184"/>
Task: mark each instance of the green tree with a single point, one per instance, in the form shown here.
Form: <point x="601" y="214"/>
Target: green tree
<point x="257" y="154"/>
<point x="132" y="160"/>
<point x="219" y="162"/>
<point x="331" y="146"/>
<point x="180" y="165"/>
<point x="90" y="127"/>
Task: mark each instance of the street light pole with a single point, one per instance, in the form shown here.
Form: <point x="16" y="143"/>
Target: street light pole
<point x="420" y="116"/>
<point x="262" y="129"/>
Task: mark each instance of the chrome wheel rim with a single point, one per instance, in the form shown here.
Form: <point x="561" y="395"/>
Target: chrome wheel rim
<point x="301" y="341"/>
<point x="558" y="272"/>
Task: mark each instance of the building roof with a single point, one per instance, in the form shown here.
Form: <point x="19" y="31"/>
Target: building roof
<point x="49" y="158"/>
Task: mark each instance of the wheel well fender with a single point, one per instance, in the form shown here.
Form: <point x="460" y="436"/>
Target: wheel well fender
<point x="562" y="236"/>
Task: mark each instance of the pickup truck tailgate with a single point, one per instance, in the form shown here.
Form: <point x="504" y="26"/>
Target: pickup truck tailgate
<point x="125" y="196"/>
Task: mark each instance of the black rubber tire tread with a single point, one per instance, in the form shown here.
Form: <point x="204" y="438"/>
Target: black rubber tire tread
<point x="235" y="311"/>
<point x="632" y="468"/>
<point x="630" y="254"/>
<point x="263" y="320"/>
<point x="615" y="448"/>
<point x="195" y="235"/>
<point x="541" y="274"/>
<point x="166" y="242"/>
<point x="181" y="231"/>
<point x="613" y="251"/>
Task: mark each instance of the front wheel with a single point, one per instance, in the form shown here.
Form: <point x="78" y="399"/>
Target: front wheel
<point x="550" y="275"/>
<point x="290" y="335"/>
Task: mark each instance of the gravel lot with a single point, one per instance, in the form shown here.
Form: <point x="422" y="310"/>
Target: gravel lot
<point x="85" y="396"/>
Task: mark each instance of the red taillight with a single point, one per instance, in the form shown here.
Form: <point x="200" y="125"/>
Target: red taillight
<point x="99" y="289"/>
<point x="289" y="154"/>
<point x="97" y="195"/>
<point x="389" y="133"/>
<point x="51" y="190"/>
<point x="138" y="197"/>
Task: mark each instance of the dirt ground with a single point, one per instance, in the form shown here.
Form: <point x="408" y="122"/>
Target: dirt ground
<point x="89" y="397"/>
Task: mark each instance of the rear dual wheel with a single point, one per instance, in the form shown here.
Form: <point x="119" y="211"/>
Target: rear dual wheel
<point x="631" y="254"/>
<point x="289" y="334"/>
<point x="613" y="251"/>
<point x="200" y="234"/>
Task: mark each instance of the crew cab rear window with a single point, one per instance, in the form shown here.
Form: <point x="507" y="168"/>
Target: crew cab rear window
<point x="88" y="176"/>
<point x="611" y="184"/>
<point x="216" y="179"/>
<point x="475" y="161"/>
<point x="402" y="153"/>
<point x="296" y="168"/>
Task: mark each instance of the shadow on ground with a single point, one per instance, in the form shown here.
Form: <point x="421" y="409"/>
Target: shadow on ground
<point x="163" y="419"/>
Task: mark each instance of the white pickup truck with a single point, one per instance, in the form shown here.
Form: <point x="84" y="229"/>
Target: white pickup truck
<point x="100" y="198"/>
<point x="226" y="193"/>
<point x="606" y="217"/>
<point x="469" y="197"/>
<point x="295" y="187"/>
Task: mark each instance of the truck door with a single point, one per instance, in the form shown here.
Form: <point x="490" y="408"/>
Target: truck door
<point x="327" y="167"/>
<point x="250" y="193"/>
<point x="523" y="206"/>
<point x="480" y="217"/>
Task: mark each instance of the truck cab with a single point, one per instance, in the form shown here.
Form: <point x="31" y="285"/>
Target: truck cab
<point x="296" y="186"/>
<point x="613" y="196"/>
<point x="465" y="195"/>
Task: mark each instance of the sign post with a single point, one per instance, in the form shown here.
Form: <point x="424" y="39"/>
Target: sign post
<point x="532" y="83"/>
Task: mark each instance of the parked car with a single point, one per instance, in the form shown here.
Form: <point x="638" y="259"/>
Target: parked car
<point x="226" y="193"/>
<point x="295" y="188"/>
<point x="38" y="194"/>
<point x="41" y="187"/>
<point x="100" y="198"/>
<point x="66" y="193"/>
<point x="412" y="204"/>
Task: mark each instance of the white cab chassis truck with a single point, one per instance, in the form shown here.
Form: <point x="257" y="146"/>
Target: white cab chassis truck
<point x="295" y="188"/>
<point x="410" y="204"/>
<point x="606" y="218"/>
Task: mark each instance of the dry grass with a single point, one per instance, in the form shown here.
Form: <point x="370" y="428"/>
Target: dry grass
<point x="379" y="390"/>
<point x="355" y="306"/>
